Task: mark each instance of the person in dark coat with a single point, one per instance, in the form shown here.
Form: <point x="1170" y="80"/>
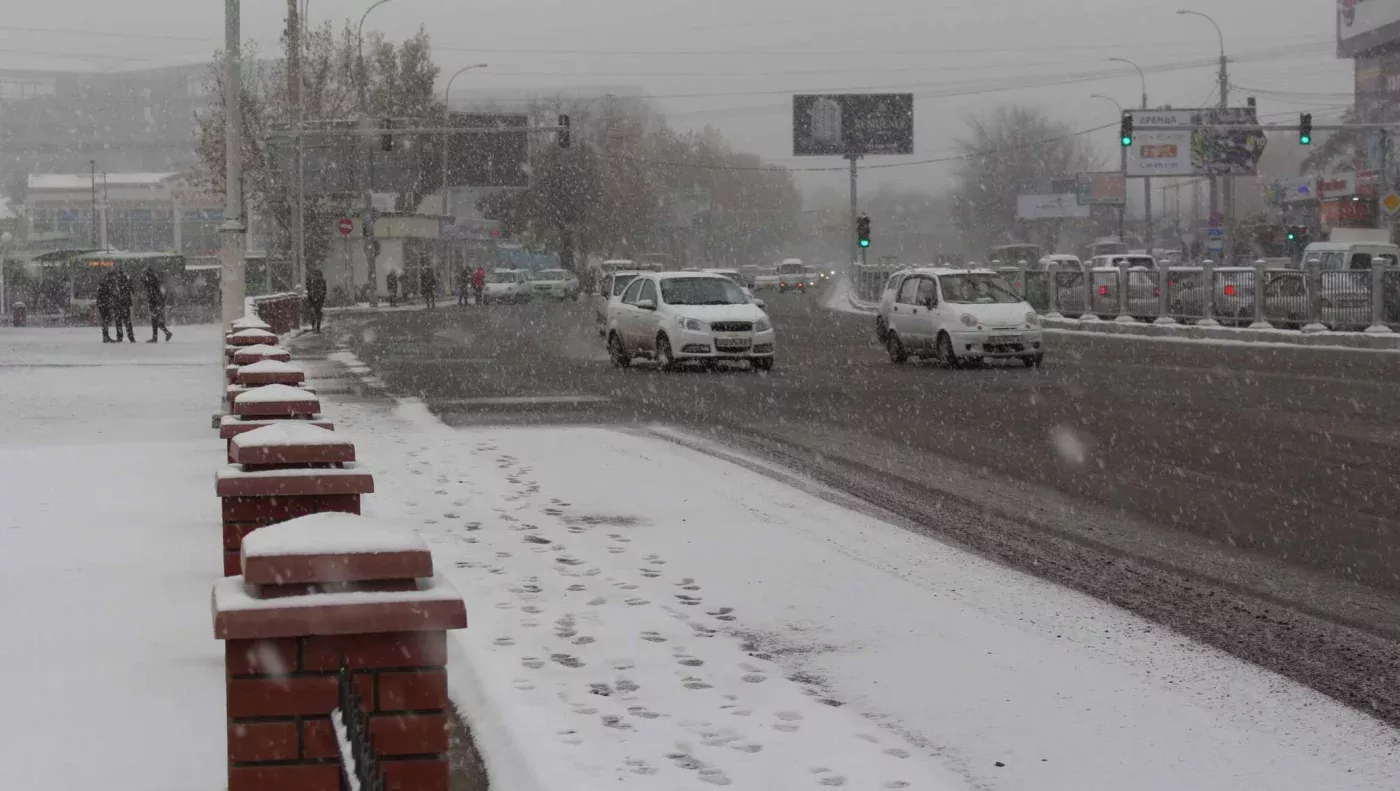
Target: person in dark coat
<point x="106" y="303"/>
<point x="155" y="299"/>
<point x="428" y="282"/>
<point x="315" y="296"/>
<point x="121" y="310"/>
<point x="464" y="284"/>
<point x="391" y="282"/>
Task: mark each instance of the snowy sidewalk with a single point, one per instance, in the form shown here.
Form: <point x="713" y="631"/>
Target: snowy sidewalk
<point x="109" y="542"/>
<point x="646" y="615"/>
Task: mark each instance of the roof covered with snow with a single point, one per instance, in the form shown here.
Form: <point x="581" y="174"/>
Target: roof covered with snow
<point x="330" y="534"/>
<point x="82" y="181"/>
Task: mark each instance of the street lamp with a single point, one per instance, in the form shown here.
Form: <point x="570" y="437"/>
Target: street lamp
<point x="360" y="50"/>
<point x="367" y="165"/>
<point x="446" y="120"/>
<point x="1108" y="99"/>
<point x="1224" y="103"/>
<point x="1147" y="181"/>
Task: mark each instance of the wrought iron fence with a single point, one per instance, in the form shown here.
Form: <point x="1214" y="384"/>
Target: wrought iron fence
<point x="357" y="757"/>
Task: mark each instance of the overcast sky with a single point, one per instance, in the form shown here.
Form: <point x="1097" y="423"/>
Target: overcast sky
<point x="733" y="63"/>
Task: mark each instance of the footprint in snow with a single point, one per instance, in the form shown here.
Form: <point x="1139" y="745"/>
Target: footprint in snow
<point x="637" y="602"/>
<point x="621" y="664"/>
<point x="531" y="609"/>
<point x="599" y="689"/>
<point x="653" y="637"/>
<point x="896" y="784"/>
<point x="473" y="526"/>
<point x="789" y="716"/>
<point x="430" y="521"/>
<point x="897" y="753"/>
<point x="615" y="550"/>
<point x="502" y="555"/>
<point x="450" y="515"/>
<point x="504" y="642"/>
<point x="575" y="588"/>
<point x="533" y="539"/>
<point x="832" y="780"/>
<point x="650" y="573"/>
<point x="690" y="661"/>
<point x="689" y="601"/>
<point x="655" y="560"/>
<point x="570" y="738"/>
<point x="755" y="678"/>
<point x="747" y="747"/>
<point x="691" y="682"/>
<point x="597" y="601"/>
<point x="522" y="685"/>
<point x="585" y="640"/>
<point x="688" y="584"/>
<point x="701" y="630"/>
<point x="614" y="721"/>
<point x="526" y="589"/>
<point x="627" y="586"/>
<point x="505" y="605"/>
<point x="624" y="685"/>
<point x="554" y="511"/>
<point x="567" y="660"/>
<point x="534" y="663"/>
<point x="529" y="623"/>
<point x="568" y="561"/>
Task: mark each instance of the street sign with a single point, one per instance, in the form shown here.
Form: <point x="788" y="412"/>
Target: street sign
<point x="1227" y="142"/>
<point x="1215" y="233"/>
<point x="372" y="248"/>
<point x="1050" y="207"/>
<point x="1391" y="203"/>
<point x="345" y="226"/>
<point x="1101" y="189"/>
<point x="1217" y="219"/>
<point x="852" y="123"/>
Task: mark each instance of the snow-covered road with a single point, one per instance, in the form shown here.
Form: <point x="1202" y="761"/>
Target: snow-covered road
<point x="646" y="614"/>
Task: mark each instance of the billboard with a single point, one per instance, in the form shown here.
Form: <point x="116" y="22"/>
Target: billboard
<point x="1366" y="24"/>
<point x="1227" y="142"/>
<point x="852" y="123"/>
<point x="1061" y="206"/>
<point x="1102" y="189"/>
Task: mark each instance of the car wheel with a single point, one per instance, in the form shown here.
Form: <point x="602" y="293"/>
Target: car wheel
<point x="664" y="357"/>
<point x="764" y="364"/>
<point x="944" y="353"/>
<point x="1033" y="360"/>
<point x="895" y="347"/>
<point x="881" y="330"/>
<point x="620" y="357"/>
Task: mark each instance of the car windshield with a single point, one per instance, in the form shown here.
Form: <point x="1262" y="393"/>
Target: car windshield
<point x="790" y="269"/>
<point x="977" y="288"/>
<point x="502" y="277"/>
<point x="767" y="273"/>
<point x="620" y="283"/>
<point x="701" y="291"/>
<point x="552" y="274"/>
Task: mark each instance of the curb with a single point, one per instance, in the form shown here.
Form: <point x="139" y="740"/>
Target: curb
<point x="1359" y="341"/>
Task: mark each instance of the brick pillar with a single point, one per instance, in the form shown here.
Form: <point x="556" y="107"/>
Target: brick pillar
<point x="249" y="337"/>
<point x="262" y="373"/>
<point x="281" y="471"/>
<point x="250" y="323"/>
<point x="287" y="624"/>
<point x="246" y="355"/>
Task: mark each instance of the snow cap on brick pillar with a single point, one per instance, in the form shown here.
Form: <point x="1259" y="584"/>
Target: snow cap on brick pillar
<point x="250" y="322"/>
<point x="317" y="590"/>
<point x="247" y="355"/>
<point x="237" y="340"/>
<point x="281" y="471"/>
<point x="269" y="372"/>
<point x="277" y="401"/>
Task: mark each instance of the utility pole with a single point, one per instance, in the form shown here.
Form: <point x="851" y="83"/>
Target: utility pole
<point x="294" y="93"/>
<point x="1146" y="180"/>
<point x="855" y="245"/>
<point x="92" y="228"/>
<point x="232" y="233"/>
<point x="367" y="160"/>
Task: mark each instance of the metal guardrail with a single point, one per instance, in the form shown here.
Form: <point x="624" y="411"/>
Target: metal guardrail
<point x="361" y="764"/>
<point x="1258" y="296"/>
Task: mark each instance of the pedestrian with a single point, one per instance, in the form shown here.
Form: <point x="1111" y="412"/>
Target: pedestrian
<point x="122" y="309"/>
<point x="155" y="299"/>
<point x="315" y="296"/>
<point x="391" y="282"/>
<point x="479" y="283"/>
<point x="464" y="284"/>
<point x="106" y="304"/>
<point x="428" y="282"/>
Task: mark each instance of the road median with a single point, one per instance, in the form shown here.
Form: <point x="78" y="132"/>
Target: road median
<point x="1363" y="341"/>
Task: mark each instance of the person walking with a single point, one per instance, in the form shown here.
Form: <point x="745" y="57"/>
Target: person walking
<point x="122" y="309"/>
<point x="391" y="282"/>
<point x="428" y="282"/>
<point x="315" y="296"/>
<point x="479" y="283"/>
<point x="464" y="284"/>
<point x="155" y="299"/>
<point x="106" y="304"/>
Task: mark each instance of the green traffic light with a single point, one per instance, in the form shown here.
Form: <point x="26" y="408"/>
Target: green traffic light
<point x="1305" y="139"/>
<point x="864" y="242"/>
<point x="1127" y="141"/>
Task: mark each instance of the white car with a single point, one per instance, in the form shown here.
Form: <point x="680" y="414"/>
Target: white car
<point x="560" y="284"/>
<point x="733" y="274"/>
<point x="767" y="278"/>
<point x="956" y="315"/>
<point x="508" y="285"/>
<point x="610" y="290"/>
<point x="674" y="317"/>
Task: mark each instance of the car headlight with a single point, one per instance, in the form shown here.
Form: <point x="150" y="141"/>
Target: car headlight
<point x="1033" y="319"/>
<point x="694" y="325"/>
<point x="762" y="325"/>
<point x="969" y="320"/>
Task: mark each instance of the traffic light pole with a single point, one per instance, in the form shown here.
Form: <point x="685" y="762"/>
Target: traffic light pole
<point x="855" y="243"/>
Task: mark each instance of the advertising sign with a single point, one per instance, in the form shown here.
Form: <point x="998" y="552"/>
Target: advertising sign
<point x="852" y="123"/>
<point x="1225" y="142"/>
<point x="1102" y="189"/>
<point x="1366" y="24"/>
<point x="1336" y="185"/>
<point x="1064" y="206"/>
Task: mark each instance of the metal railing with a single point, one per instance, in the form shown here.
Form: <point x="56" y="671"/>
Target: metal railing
<point x="357" y="757"/>
<point x="1257" y="296"/>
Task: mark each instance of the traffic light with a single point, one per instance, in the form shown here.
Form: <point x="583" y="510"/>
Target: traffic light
<point x="863" y="231"/>
<point x="1305" y="129"/>
<point x="1292" y="233"/>
<point x="386" y="140"/>
<point x="565" y="138"/>
<point x="1125" y="129"/>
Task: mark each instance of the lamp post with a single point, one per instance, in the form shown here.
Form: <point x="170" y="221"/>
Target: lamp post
<point x="1122" y="165"/>
<point x="1229" y="190"/>
<point x="446" y="122"/>
<point x="367" y="164"/>
<point x="1146" y="180"/>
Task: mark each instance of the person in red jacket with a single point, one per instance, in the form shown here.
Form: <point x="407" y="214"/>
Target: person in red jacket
<point x="479" y="283"/>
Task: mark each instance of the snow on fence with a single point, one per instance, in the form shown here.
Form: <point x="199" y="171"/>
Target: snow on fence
<point x="357" y="757"/>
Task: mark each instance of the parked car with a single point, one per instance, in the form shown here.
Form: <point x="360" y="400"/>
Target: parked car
<point x="507" y="285"/>
<point x="610" y="288"/>
<point x="560" y="284"/>
<point x="957" y="315"/>
<point x="678" y="317"/>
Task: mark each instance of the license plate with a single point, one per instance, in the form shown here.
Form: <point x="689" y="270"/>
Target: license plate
<point x="732" y="336"/>
<point x="1003" y="340"/>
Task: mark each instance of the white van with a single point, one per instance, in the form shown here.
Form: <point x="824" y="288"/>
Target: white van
<point x="1332" y="256"/>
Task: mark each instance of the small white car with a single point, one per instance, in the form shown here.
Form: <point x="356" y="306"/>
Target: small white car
<point x="610" y="290"/>
<point x="507" y="285"/>
<point x="767" y="278"/>
<point x="792" y="276"/>
<point x="560" y="284"/>
<point x="675" y="317"/>
<point x="957" y="315"/>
